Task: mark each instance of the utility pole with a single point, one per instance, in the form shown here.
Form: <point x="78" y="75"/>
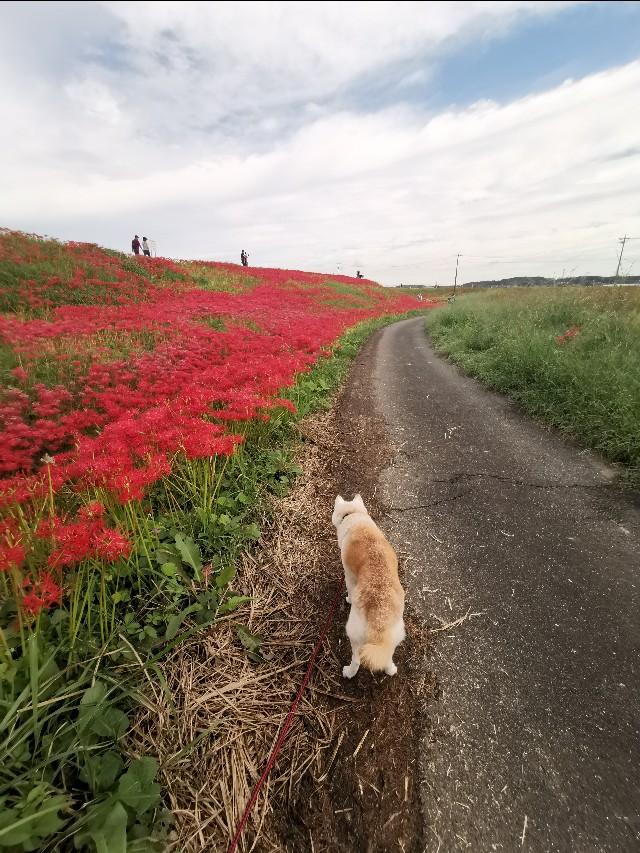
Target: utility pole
<point x="622" y="241"/>
<point x="455" y="280"/>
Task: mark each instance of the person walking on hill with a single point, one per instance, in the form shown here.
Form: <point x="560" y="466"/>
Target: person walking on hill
<point x="244" y="258"/>
<point x="145" y="247"/>
<point x="135" y="245"/>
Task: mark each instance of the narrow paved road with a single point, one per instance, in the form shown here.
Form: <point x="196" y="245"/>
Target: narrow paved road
<point x="534" y="743"/>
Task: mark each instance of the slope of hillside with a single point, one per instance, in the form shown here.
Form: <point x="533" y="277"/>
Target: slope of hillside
<point x="145" y="407"/>
<point x="90" y="337"/>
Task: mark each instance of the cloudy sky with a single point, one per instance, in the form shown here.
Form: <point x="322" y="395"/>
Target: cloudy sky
<point x="329" y="136"/>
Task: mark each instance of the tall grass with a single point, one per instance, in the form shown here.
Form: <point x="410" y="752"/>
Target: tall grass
<point x="587" y="383"/>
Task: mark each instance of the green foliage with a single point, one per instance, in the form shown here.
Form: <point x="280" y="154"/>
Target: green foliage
<point x="190" y="554"/>
<point x="214" y="278"/>
<point x="115" y="819"/>
<point x="252" y="643"/>
<point x="588" y="386"/>
<point x="25" y="825"/>
<point x="62" y="731"/>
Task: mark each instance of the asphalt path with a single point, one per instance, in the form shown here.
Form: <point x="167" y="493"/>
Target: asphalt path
<point x="534" y="741"/>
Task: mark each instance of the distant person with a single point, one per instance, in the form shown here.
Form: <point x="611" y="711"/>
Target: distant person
<point x="145" y="247"/>
<point x="244" y="258"/>
<point x="135" y="245"/>
<point x="359" y="274"/>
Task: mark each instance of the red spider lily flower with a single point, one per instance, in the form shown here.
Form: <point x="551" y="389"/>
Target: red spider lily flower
<point x="566" y="336"/>
<point x="95" y="509"/>
<point x="43" y="593"/>
<point x="285" y="404"/>
<point x="11" y="556"/>
<point x="73" y="543"/>
<point x="12" y="550"/>
<point x="111" y="545"/>
<point x="46" y="527"/>
<point x="85" y="539"/>
<point x="20" y="374"/>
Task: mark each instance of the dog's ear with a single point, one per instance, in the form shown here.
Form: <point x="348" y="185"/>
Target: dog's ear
<point x="339" y="500"/>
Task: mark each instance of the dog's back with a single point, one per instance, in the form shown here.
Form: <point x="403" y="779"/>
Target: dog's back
<point x="375" y="626"/>
<point x="367" y="554"/>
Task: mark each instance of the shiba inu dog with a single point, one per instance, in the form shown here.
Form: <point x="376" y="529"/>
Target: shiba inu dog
<point x="375" y="626"/>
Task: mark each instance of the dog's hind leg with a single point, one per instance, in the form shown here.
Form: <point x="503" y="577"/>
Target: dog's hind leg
<point x="354" y="666"/>
<point x="399" y="635"/>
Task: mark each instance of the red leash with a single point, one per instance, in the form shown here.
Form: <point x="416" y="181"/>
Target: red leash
<point x="286" y="725"/>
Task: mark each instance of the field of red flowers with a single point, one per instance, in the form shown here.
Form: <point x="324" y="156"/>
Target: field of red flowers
<point x="141" y="406"/>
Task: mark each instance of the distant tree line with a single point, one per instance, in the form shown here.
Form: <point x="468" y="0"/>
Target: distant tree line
<point x="541" y="281"/>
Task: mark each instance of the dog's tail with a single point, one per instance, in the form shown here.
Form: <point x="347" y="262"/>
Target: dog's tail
<point x="377" y="654"/>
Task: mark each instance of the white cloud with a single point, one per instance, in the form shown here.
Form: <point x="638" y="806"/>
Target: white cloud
<point x="211" y="126"/>
<point x="283" y="50"/>
<point x="96" y="100"/>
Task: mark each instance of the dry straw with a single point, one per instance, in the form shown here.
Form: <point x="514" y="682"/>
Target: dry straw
<point x="213" y="727"/>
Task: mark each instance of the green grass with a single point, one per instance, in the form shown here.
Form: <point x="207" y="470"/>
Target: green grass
<point x="587" y="386"/>
<point x="213" y="278"/>
<point x="441" y="293"/>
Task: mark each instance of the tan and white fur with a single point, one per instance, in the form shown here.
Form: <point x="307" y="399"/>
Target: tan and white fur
<point x="375" y="626"/>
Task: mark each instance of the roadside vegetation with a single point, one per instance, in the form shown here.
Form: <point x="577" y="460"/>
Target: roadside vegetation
<point x="569" y="356"/>
<point x="146" y="414"/>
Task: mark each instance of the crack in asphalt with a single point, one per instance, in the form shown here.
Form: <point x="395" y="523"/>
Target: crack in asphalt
<point x="456" y="478"/>
<point x="449" y="499"/>
<point x="517" y="481"/>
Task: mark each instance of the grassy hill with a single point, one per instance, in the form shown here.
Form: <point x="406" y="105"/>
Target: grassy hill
<point x="146" y="411"/>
